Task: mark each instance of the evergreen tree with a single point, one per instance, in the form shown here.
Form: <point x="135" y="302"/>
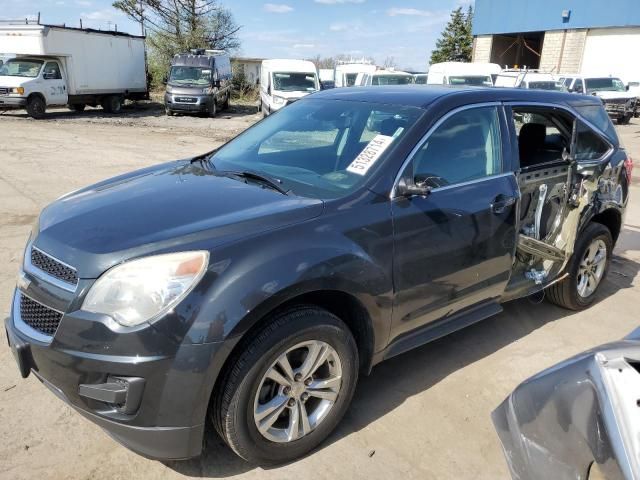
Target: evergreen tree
<point x="456" y="41"/>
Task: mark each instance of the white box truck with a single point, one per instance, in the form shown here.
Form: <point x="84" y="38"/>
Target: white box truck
<point x="55" y="66"/>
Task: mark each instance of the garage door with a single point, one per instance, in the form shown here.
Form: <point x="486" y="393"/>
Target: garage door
<point x="608" y="51"/>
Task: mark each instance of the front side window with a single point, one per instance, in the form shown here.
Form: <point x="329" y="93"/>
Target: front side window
<point x="51" y="71"/>
<point x="350" y="79"/>
<point x="466" y="146"/>
<point x="319" y="148"/>
<point x="21" y="68"/>
<point x="579" y="86"/>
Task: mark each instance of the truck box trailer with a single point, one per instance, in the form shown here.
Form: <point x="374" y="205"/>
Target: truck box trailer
<point x="55" y="66"/>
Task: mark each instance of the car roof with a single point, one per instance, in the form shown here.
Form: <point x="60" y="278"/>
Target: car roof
<point x="424" y="95"/>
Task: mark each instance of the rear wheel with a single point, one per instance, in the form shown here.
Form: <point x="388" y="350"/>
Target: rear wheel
<point x="289" y="387"/>
<point x="36" y="107"/>
<point x="77" y="107"/>
<point x="225" y="105"/>
<point x="587" y="268"/>
<point x="112" y="104"/>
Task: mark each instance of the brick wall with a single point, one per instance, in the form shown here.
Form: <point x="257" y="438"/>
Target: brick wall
<point x="559" y="58"/>
<point x="482" y="48"/>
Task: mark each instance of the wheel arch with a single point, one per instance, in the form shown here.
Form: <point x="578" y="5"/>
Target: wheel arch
<point x="612" y="219"/>
<point x="37" y="94"/>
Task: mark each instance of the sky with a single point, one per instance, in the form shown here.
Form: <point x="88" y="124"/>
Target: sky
<point x="404" y="29"/>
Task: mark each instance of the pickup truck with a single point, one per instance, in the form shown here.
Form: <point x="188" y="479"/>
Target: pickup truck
<point x="619" y="103"/>
<point x="250" y="286"/>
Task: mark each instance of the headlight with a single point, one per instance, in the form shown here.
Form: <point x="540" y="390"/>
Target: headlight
<point x="137" y="291"/>
<point x="278" y="101"/>
<point x="18" y="90"/>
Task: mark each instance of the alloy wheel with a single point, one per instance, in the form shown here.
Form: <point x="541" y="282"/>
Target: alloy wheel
<point x="297" y="391"/>
<point x="591" y="268"/>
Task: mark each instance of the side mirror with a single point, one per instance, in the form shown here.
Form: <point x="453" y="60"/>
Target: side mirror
<point x="269" y="90"/>
<point x="165" y="80"/>
<point x="408" y="188"/>
<point x="627" y="88"/>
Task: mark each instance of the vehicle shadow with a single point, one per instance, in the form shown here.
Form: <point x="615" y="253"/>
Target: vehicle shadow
<point x="394" y="381"/>
<point x="130" y="111"/>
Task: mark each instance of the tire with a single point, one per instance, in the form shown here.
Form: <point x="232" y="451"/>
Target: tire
<point x="213" y="111"/>
<point x="77" y="107"/>
<point x="624" y="120"/>
<point x="225" y="105"/>
<point x="566" y="292"/>
<point x="36" y="107"/>
<point x="112" y="104"/>
<point x="245" y="387"/>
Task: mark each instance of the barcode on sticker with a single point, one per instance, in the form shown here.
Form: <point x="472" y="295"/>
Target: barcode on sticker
<point x="370" y="155"/>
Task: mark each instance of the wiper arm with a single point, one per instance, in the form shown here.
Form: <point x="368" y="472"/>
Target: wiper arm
<point x="270" y="182"/>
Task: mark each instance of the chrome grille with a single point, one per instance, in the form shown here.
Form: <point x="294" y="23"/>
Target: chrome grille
<point x="37" y="316"/>
<point x="4" y="91"/>
<point x="53" y="267"/>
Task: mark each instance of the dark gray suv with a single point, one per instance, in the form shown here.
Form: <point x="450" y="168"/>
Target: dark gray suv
<point x="250" y="286"/>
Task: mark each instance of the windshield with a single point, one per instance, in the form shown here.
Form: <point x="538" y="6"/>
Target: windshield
<point x="200" y="76"/>
<point x="21" y="68"/>
<point x="294" y="82"/>
<point x="545" y="85"/>
<point x="476" y="80"/>
<point x="391" y="79"/>
<point x="602" y="84"/>
<point x="319" y="148"/>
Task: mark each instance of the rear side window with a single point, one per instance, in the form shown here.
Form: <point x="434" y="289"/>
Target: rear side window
<point x="466" y="146"/>
<point x="589" y="145"/>
<point x="597" y="115"/>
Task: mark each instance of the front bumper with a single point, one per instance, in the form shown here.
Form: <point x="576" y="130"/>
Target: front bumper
<point x="188" y="103"/>
<point x="9" y="102"/>
<point x="166" y="421"/>
<point x="620" y="109"/>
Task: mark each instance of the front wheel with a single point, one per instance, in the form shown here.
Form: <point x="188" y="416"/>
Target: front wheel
<point x="36" y="107"/>
<point x="587" y="268"/>
<point x="289" y="388"/>
<point x="625" y="119"/>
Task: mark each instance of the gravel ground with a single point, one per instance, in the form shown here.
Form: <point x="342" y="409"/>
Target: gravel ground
<point x="424" y="414"/>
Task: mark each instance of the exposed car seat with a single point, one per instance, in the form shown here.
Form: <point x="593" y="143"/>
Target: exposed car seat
<point x="531" y="143"/>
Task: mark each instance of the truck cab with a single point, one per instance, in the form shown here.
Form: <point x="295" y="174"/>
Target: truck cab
<point x="33" y="83"/>
<point x="283" y="82"/>
<point x="461" y="73"/>
<point x="619" y="103"/>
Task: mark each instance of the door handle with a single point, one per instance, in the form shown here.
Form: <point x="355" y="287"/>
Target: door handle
<point x="501" y="203"/>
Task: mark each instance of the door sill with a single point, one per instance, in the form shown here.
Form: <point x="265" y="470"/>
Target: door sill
<point x="438" y="329"/>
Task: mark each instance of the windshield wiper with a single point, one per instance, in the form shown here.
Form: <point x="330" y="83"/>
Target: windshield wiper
<point x="273" y="183"/>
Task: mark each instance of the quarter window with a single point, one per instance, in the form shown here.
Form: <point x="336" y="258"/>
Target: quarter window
<point x="589" y="145"/>
<point x="465" y="147"/>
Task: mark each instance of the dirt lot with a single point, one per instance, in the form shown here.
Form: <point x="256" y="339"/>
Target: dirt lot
<point x="424" y="414"/>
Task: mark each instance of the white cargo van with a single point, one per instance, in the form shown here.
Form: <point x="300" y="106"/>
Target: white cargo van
<point x="460" y="73"/>
<point x="56" y="66"/>
<point x="346" y="74"/>
<point x="284" y="81"/>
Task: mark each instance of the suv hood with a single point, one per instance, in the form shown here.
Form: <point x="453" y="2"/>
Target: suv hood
<point x="168" y="207"/>
<point x="7" y="81"/>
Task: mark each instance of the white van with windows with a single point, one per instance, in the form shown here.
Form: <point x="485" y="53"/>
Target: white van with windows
<point x="461" y="73"/>
<point x="346" y="74"/>
<point x="284" y="81"/>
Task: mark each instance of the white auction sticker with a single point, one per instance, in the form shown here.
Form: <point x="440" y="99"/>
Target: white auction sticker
<point x="370" y="155"/>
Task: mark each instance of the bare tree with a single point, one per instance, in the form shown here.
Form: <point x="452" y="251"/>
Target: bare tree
<point x="390" y="62"/>
<point x="175" y="26"/>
